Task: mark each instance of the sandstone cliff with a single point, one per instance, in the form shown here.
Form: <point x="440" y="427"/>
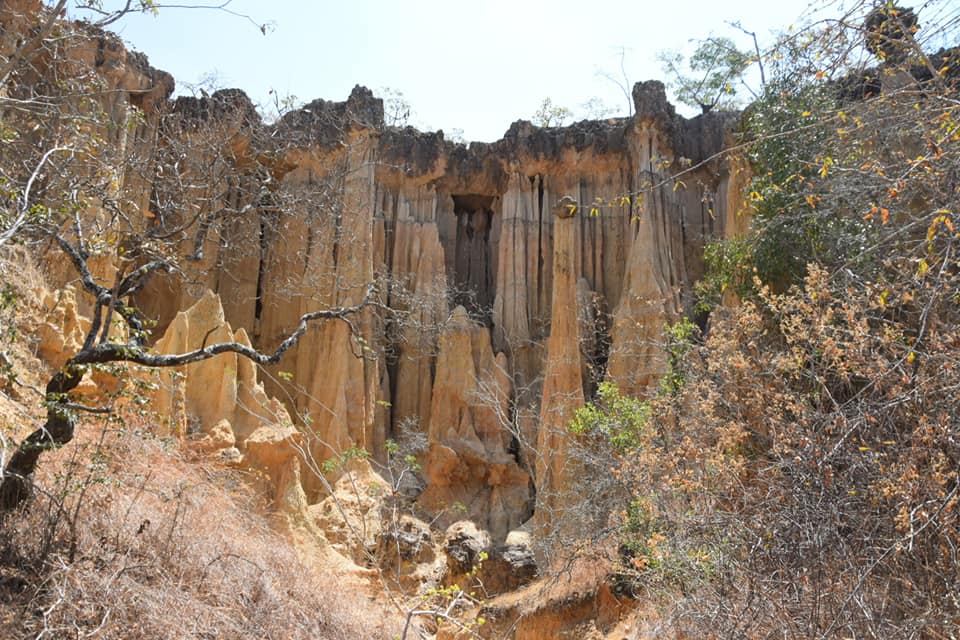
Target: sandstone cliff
<point x="492" y="310"/>
<point x="494" y="318"/>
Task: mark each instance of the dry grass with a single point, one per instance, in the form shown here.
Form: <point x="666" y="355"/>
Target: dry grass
<point x="126" y="538"/>
<point x="130" y="541"/>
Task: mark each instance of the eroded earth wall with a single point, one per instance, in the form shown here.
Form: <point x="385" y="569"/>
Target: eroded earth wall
<point x="511" y="278"/>
<point x="508" y="279"/>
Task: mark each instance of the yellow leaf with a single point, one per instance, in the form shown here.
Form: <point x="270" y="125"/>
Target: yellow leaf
<point x="825" y="167"/>
<point x="942" y="219"/>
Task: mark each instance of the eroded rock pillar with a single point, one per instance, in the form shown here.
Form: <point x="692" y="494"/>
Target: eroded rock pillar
<point x="563" y="385"/>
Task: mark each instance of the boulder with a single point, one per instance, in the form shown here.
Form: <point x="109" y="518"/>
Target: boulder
<point x="472" y="561"/>
<point x="276" y="451"/>
<point x="464" y="543"/>
<point x="406" y="554"/>
<point x="350" y="517"/>
<point x="219" y="436"/>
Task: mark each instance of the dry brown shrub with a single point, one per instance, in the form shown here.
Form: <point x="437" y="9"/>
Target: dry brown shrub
<point x="803" y="483"/>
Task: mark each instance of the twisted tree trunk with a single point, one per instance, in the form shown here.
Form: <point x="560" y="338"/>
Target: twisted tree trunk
<point x="56" y="431"/>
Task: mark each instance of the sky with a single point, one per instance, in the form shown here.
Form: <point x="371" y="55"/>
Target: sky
<point x="473" y="66"/>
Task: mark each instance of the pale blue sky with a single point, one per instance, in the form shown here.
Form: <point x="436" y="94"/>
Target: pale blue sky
<point x="477" y="66"/>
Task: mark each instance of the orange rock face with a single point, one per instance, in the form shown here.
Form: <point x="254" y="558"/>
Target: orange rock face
<point x="221" y="404"/>
<point x="469" y="470"/>
<point x="494" y="318"/>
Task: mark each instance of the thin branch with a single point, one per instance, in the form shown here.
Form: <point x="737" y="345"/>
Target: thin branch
<point x="756" y="47"/>
<point x="134" y="352"/>
<point x="25" y="206"/>
<point x="135" y="281"/>
<point x="76" y="406"/>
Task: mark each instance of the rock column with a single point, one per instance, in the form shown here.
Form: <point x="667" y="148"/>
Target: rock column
<point x="563" y="385"/>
